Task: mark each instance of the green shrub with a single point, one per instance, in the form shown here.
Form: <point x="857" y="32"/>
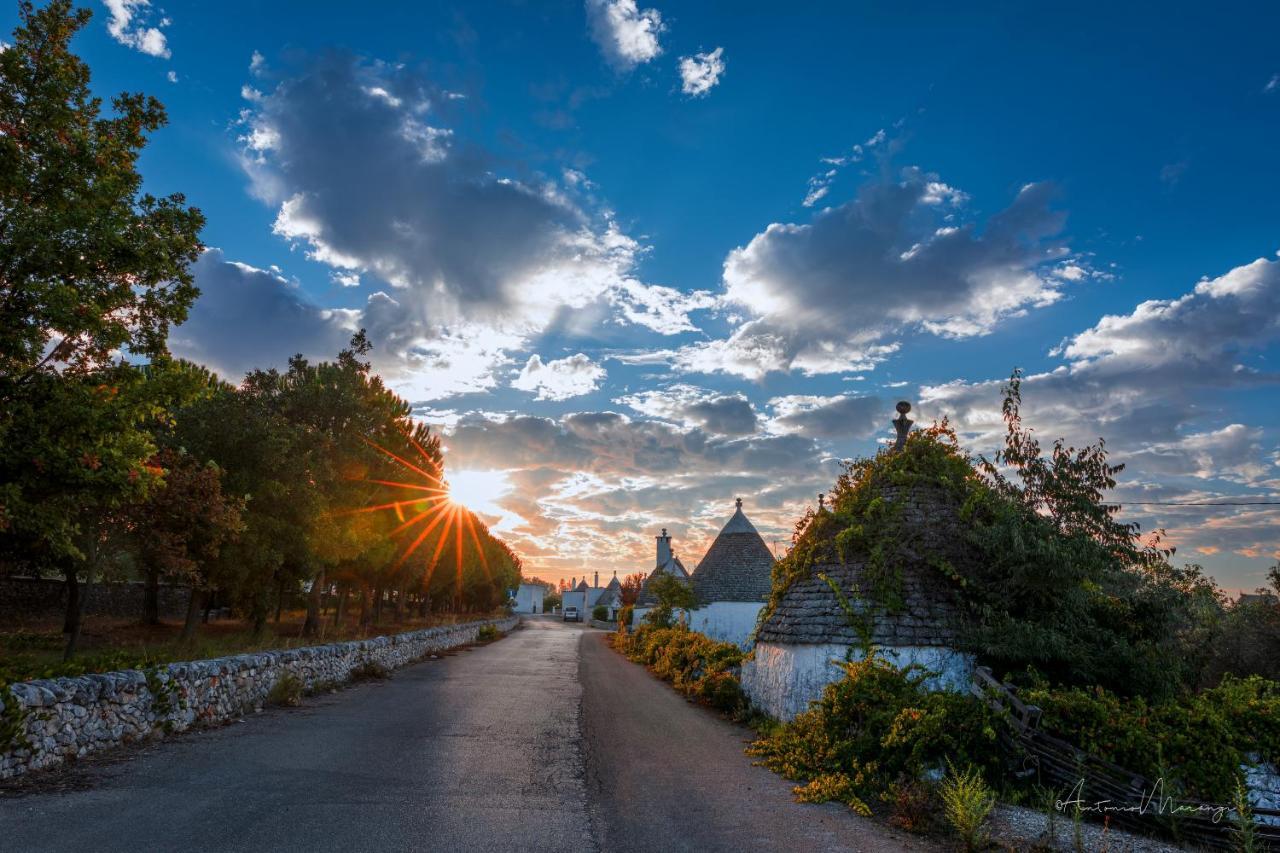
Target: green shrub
<point x="967" y="800"/>
<point x="695" y="664"/>
<point x="488" y="633"/>
<point x="626" y="617"/>
<point x="600" y="613"/>
<point x="1197" y="743"/>
<point x="879" y="727"/>
<point x="286" y="692"/>
<point x="370" y="670"/>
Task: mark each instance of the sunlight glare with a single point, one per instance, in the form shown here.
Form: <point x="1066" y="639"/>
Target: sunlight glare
<point x="478" y="491"/>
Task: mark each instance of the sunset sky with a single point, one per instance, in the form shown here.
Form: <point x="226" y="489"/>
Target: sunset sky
<point x="638" y="259"/>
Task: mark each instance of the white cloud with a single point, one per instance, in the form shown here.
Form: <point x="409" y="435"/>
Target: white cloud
<point x="700" y="73"/>
<point x="172" y="76"/>
<point x="626" y="34"/>
<point x="1273" y="84"/>
<point x="257" y="63"/>
<point x="831" y="295"/>
<point x="838" y="416"/>
<point x="397" y="198"/>
<point x="1153" y="382"/>
<point x="559" y="379"/>
<point x="691" y="406"/>
<point x="129" y="25"/>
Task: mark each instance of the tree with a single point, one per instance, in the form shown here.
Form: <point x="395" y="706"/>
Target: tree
<point x="88" y="265"/>
<point x="631" y="586"/>
<point x="672" y="595"/>
<point x="182" y="525"/>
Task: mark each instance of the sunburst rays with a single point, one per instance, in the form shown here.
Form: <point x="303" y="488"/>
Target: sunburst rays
<point x="433" y="511"/>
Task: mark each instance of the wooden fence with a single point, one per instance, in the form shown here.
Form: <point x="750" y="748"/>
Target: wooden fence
<point x="1132" y="801"/>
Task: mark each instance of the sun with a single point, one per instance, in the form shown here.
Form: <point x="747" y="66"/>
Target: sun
<point x="478" y="491"/>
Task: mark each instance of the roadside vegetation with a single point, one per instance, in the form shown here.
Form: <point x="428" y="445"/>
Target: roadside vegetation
<point x="310" y="486"/>
<point x="1086" y="618"/>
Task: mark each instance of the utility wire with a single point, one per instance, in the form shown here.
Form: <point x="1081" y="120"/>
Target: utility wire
<point x="1192" y="503"/>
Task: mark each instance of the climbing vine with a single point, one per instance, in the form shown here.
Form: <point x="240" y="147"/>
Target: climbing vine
<point x="13" y="721"/>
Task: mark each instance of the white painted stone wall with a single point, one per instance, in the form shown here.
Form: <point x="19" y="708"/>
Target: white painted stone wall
<point x="1263" y="782"/>
<point x="783" y="678"/>
<point x="68" y="718"/>
<point x="727" y="621"/>
<point x="529" y="598"/>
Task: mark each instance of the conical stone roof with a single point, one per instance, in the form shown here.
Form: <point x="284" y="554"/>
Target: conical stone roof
<point x="809" y="611"/>
<point x="737" y="566"/>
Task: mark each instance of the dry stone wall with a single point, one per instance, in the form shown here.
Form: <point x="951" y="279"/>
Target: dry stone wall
<point x="66" y="718"/>
<point x="22" y="598"/>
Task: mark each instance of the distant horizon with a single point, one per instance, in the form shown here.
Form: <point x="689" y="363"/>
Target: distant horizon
<point x="634" y="261"/>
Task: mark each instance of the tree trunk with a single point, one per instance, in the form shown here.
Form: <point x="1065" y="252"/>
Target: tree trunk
<point x="71" y="621"/>
<point x="151" y="598"/>
<point x="312" y="626"/>
<point x="340" y="612"/>
<point x="377" y="604"/>
<point x="366" y="605"/>
<point x="279" y="599"/>
<point x="194" y="604"/>
<point x="259" y="621"/>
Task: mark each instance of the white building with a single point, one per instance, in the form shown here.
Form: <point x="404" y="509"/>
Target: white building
<point x="667" y="563"/>
<point x="529" y="598"/>
<point x="586" y="598"/>
<point x="801" y="647"/>
<point x="731" y="582"/>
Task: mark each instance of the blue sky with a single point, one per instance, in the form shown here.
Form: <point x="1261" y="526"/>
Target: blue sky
<point x="578" y="234"/>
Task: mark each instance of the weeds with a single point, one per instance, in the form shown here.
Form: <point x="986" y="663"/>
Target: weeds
<point x="967" y="801"/>
<point x="487" y="634"/>
<point x="286" y="692"/>
<point x="370" y="670"/>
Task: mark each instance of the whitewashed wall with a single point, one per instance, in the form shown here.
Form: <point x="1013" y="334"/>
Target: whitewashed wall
<point x="529" y="598"/>
<point x="782" y="679"/>
<point x="727" y="621"/>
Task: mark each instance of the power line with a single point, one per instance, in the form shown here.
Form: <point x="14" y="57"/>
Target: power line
<point x="1192" y="503"/>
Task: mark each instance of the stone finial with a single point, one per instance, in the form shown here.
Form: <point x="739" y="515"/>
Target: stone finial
<point x="664" y="531"/>
<point x="738" y="502"/>
<point x="902" y="424"/>
<point x="821" y="501"/>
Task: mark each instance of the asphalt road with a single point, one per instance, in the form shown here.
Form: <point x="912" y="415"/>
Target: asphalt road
<point x="546" y="740"/>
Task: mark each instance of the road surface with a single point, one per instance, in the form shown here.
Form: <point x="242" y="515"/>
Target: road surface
<point x="546" y="740"/>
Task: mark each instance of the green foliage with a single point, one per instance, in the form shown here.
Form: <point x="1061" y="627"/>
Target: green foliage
<point x="1045" y="575"/>
<point x="286" y="692"/>
<point x="626" y="616"/>
<point x="13" y="721"/>
<point x="876" y="728"/>
<point x="600" y="613"/>
<point x="488" y="633"/>
<point x="1244" y="832"/>
<point x="1197" y="742"/>
<point x="163" y="696"/>
<point x="672" y="594"/>
<point x="967" y="801"/>
<point x="90" y="265"/>
<point x="696" y="665"/>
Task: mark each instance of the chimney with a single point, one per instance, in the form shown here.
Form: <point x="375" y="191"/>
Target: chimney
<point x="902" y="424"/>
<point x="664" y="548"/>
<point x="595" y="580"/>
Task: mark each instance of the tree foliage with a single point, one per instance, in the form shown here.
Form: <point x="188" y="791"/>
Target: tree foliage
<point x="1050" y="579"/>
